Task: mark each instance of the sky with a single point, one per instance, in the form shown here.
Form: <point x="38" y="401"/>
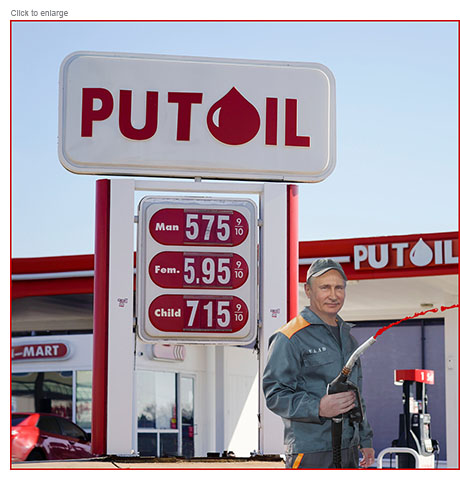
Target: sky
<point x="397" y="121"/>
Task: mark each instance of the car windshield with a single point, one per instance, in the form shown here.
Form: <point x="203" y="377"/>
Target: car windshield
<point x="16" y="419"/>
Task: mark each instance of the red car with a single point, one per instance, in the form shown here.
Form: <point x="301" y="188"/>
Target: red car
<point x="42" y="436"/>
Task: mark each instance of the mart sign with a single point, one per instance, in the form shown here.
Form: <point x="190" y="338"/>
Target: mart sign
<point x="40" y="351"/>
<point x="196" y="117"/>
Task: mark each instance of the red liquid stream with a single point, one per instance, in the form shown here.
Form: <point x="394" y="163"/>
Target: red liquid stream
<point x="419" y="314"/>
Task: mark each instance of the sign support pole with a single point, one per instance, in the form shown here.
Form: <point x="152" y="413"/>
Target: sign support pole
<point x="292" y="251"/>
<point x="273" y="310"/>
<point x="120" y="372"/>
<point x="100" y="327"/>
<point x="113" y="344"/>
<point x="113" y="421"/>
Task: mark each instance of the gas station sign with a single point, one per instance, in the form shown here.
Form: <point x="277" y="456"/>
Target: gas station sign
<point x="197" y="270"/>
<point x="159" y="115"/>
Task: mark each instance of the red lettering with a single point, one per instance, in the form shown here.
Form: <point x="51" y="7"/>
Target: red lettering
<point x="232" y="120"/>
<point x="88" y="114"/>
<point x="271" y="123"/>
<point x="291" y="137"/>
<point x="184" y="101"/>
<point x="151" y="116"/>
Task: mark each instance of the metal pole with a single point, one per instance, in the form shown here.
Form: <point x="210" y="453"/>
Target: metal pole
<point x="292" y="251"/>
<point x="273" y="289"/>
<point x="100" y="327"/>
<point x="120" y="353"/>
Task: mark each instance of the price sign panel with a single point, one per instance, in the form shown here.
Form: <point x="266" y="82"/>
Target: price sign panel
<point x="197" y="270"/>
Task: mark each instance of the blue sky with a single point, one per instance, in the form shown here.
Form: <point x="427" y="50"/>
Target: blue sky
<point x="397" y="122"/>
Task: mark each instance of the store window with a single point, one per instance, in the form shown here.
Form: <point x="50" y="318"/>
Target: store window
<point x="161" y="431"/>
<point x="83" y="399"/>
<point x="45" y="392"/>
<point x="156" y="400"/>
<point x="67" y="394"/>
<point x="187" y="414"/>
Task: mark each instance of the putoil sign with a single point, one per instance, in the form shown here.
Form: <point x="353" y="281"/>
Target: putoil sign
<point x="387" y="257"/>
<point x="179" y="116"/>
<point x="405" y="254"/>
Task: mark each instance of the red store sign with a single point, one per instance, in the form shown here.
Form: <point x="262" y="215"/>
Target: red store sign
<point x="40" y="351"/>
<point x="386" y="257"/>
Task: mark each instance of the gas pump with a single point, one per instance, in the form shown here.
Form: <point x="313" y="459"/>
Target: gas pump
<point x="415" y="422"/>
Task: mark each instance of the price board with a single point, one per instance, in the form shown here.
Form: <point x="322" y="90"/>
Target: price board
<point x="196" y="278"/>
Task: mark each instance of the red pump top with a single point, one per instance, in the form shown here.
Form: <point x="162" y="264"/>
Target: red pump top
<point x="416" y="375"/>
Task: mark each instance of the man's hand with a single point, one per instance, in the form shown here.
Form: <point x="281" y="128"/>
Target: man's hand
<point x="368" y="457"/>
<point x="336" y="403"/>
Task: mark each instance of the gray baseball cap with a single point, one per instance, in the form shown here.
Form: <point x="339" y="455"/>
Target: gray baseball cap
<point x="323" y="265"/>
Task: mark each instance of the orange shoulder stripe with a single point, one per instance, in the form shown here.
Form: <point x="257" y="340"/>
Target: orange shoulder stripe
<point x="294" y="326"/>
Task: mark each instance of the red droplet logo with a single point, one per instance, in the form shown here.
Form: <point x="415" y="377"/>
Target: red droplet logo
<point x="233" y="120"/>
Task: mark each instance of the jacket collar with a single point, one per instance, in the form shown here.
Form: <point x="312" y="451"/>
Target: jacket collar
<point x="314" y="319"/>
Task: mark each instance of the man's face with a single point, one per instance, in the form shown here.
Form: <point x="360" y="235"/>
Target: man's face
<point x="326" y="293"/>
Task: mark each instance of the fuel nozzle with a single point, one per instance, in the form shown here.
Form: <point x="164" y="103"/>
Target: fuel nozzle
<point x="342" y="384"/>
<point x="348" y="367"/>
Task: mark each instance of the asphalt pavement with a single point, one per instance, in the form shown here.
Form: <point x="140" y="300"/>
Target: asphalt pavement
<point x="147" y="463"/>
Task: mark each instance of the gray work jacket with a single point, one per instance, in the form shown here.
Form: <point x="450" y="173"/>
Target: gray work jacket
<point x="303" y="357"/>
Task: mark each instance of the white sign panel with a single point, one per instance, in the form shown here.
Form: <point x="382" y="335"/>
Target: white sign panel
<point x="197" y="270"/>
<point x="151" y="115"/>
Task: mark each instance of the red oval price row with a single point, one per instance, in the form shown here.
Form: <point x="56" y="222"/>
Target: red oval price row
<point x="179" y="226"/>
<point x="198" y="270"/>
<point x="196" y="313"/>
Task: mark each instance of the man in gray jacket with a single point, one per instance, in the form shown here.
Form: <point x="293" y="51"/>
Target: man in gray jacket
<point x="304" y="356"/>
